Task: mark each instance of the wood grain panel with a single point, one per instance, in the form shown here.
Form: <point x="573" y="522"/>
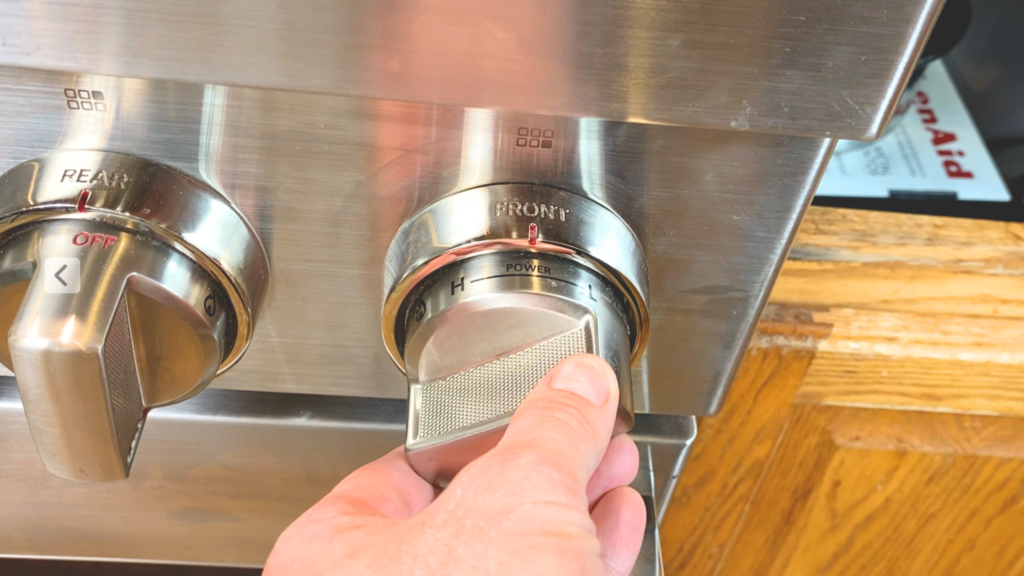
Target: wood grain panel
<point x="908" y="335"/>
<point x="901" y="451"/>
<point x="723" y="472"/>
<point x="840" y="235"/>
<point x="939" y="362"/>
<point x="936" y="433"/>
<point x="884" y="513"/>
<point x="860" y="491"/>
<point x="899" y="262"/>
<point x="776" y="514"/>
<point x="899" y="287"/>
<point x="915" y="383"/>
<point x="925" y="312"/>
<point x="728" y="463"/>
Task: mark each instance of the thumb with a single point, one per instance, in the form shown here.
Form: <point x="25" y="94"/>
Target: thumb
<point x="560" y="432"/>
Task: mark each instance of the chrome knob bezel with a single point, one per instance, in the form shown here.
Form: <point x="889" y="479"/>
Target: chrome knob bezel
<point x="144" y="197"/>
<point x="498" y="218"/>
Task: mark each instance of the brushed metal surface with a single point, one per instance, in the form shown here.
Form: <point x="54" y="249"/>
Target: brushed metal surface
<point x="829" y="68"/>
<point x="649" y="561"/>
<point x="326" y="181"/>
<point x="215" y="481"/>
<point x="221" y="475"/>
<point x="660" y="436"/>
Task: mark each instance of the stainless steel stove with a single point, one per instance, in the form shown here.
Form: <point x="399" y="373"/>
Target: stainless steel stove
<point x="363" y="223"/>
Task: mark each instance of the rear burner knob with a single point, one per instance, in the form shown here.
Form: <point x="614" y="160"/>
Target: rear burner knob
<point x="121" y="293"/>
<point x="488" y="289"/>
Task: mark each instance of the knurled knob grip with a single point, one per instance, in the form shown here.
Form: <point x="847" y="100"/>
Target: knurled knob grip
<point x="480" y="337"/>
<point x="128" y="327"/>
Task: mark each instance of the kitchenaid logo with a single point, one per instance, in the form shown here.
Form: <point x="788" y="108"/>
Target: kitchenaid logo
<point x="531" y="209"/>
<point x="941" y="139"/>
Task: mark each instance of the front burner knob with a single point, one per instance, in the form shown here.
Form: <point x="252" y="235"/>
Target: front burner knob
<point x="119" y="296"/>
<point x="482" y="332"/>
<point x="487" y="290"/>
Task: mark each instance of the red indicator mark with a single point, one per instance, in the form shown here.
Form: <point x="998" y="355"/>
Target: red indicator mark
<point x="83" y="198"/>
<point x="84" y="238"/>
<point x="533" y="234"/>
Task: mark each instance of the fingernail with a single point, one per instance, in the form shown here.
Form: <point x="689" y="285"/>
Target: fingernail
<point x="584" y="377"/>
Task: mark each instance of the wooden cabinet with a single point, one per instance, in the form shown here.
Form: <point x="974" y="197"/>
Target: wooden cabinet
<point x="876" y="426"/>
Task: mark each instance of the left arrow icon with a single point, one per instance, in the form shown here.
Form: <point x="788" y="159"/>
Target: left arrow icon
<point x="57" y="275"/>
<point x="63" y="275"/>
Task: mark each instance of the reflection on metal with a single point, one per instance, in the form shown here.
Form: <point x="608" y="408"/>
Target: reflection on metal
<point x="649" y="562"/>
<point x="220" y="476"/>
<point x="668" y="440"/>
<point x="211" y="133"/>
<point x="827" y="68"/>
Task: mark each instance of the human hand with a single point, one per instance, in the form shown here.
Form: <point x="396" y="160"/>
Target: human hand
<point x="549" y="499"/>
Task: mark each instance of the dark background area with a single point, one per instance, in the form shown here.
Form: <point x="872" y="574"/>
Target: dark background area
<point x="982" y="47"/>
